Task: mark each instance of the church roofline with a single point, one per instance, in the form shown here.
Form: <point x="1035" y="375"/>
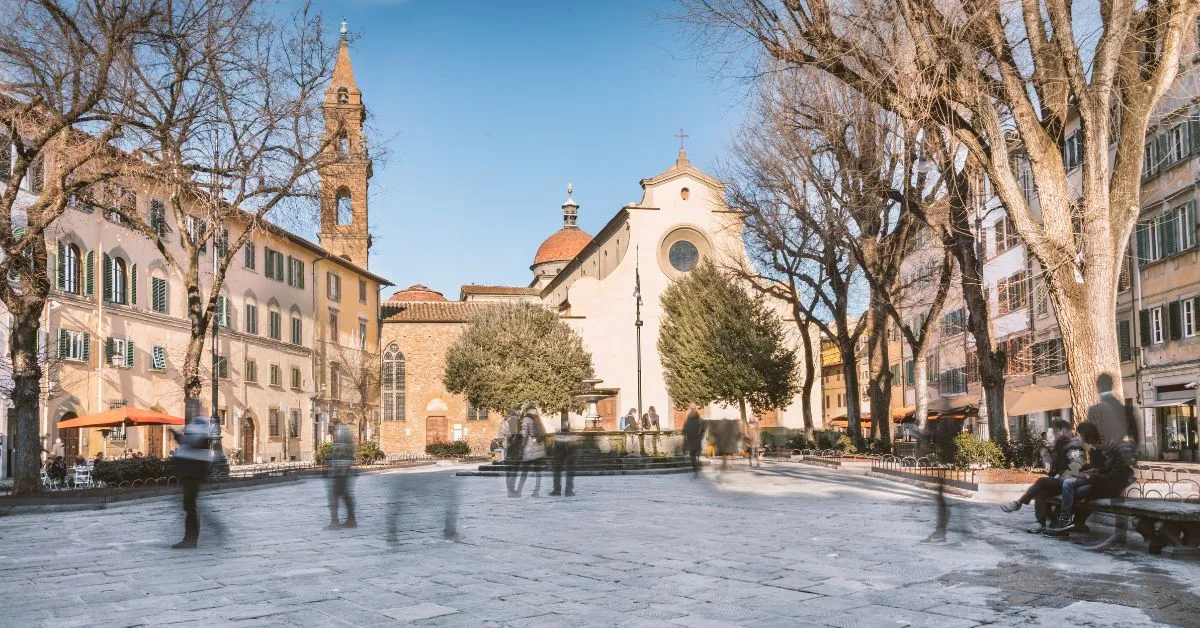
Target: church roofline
<point x="621" y="217"/>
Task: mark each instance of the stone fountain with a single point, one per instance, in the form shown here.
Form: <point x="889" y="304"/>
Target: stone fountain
<point x="590" y="395"/>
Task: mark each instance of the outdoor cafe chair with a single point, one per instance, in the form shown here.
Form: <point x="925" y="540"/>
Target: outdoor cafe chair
<point x="83" y="477"/>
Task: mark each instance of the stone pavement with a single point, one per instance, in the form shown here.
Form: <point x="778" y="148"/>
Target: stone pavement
<point x="789" y="545"/>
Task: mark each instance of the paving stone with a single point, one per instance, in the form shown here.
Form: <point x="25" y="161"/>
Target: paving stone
<point x="418" y="611"/>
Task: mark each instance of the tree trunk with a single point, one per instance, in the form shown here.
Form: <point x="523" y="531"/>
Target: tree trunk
<point x="880" y="387"/>
<point x="850" y="372"/>
<point x="193" y="382"/>
<point x="742" y="410"/>
<point x="993" y="362"/>
<point x="1088" y="322"/>
<point x="26" y="397"/>
<point x="922" y="387"/>
<point x="810" y="380"/>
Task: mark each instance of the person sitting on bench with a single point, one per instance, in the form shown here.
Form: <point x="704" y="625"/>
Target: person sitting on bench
<point x="1063" y="460"/>
<point x="1107" y="471"/>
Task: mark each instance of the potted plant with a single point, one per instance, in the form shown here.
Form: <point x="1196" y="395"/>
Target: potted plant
<point x="1172" y="451"/>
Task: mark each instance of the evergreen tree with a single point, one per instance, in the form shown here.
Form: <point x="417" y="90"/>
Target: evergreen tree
<point x="720" y="344"/>
<point x="517" y="354"/>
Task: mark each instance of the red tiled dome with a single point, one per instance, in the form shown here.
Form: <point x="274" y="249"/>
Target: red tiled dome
<point x="562" y="245"/>
<point x="417" y="292"/>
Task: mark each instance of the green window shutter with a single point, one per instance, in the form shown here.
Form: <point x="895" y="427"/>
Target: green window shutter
<point x="1166" y="236"/>
<point x="108" y="351"/>
<point x="268" y="263"/>
<point x="1144" y="327"/>
<point x="133" y="283"/>
<point x="1161" y="146"/>
<point x="1189" y="225"/>
<point x="1124" y="341"/>
<point x="291" y="280"/>
<point x="1174" y="318"/>
<point x="89" y="274"/>
<point x="64" y="340"/>
<point x="300" y="274"/>
<point x="278" y="266"/>
<point x="61" y="266"/>
<point x="87" y="346"/>
<point x="107" y="270"/>
<point x="129" y="353"/>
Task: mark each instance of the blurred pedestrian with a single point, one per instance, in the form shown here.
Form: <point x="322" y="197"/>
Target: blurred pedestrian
<point x="693" y="438"/>
<point x="191" y="460"/>
<point x="534" y="434"/>
<point x="341" y="461"/>
<point x="652" y="422"/>
<point x="753" y="439"/>
<point x="423" y="490"/>
<point x="514" y="445"/>
<point x="565" y="447"/>
<point x="938" y="439"/>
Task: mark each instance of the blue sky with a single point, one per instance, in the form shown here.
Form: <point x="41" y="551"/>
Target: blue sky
<point x="488" y="109"/>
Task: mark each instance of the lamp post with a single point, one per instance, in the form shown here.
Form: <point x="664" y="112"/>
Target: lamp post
<point x="220" y="465"/>
<point x="637" y="324"/>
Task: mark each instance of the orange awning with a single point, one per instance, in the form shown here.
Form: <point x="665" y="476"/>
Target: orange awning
<point x="122" y="416"/>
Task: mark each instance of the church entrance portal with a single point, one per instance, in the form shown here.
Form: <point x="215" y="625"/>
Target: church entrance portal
<point x="436" y="430"/>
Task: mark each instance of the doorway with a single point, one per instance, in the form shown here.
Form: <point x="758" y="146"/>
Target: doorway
<point x="247" y="440"/>
<point x="154" y="440"/>
<point x="436" y="430"/>
<point x="70" y="439"/>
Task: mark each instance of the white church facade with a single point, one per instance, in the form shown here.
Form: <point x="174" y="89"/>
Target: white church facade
<point x="680" y="221"/>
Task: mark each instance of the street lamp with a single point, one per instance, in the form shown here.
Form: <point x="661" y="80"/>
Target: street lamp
<point x="637" y="324"/>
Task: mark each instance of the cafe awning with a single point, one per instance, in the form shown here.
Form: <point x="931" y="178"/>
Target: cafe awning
<point x="958" y="414"/>
<point x="1036" y="398"/>
<point x="129" y="417"/>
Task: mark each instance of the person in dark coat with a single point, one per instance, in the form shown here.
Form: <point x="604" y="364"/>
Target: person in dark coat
<point x="1063" y="459"/>
<point x="191" y="460"/>
<point x="514" y="447"/>
<point x="693" y="438"/>
<point x="939" y="439"/>
<point x="341" y="472"/>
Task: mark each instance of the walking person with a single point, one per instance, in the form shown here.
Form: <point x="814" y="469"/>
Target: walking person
<point x="514" y="445"/>
<point x="939" y="439"/>
<point x="565" y="446"/>
<point x="341" y="461"/>
<point x="191" y="460"/>
<point x="534" y="434"/>
<point x="753" y="439"/>
<point x="693" y="438"/>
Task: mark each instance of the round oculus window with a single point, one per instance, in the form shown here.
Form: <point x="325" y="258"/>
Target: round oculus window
<point x="683" y="256"/>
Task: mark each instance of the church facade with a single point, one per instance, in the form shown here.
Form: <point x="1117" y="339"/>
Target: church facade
<point x="681" y="220"/>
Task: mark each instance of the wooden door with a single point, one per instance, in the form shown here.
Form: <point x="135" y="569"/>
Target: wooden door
<point x="154" y="441"/>
<point x="248" y="440"/>
<point x="768" y="419"/>
<point x="607" y="408"/>
<point x="70" y="439"/>
<point x="436" y="430"/>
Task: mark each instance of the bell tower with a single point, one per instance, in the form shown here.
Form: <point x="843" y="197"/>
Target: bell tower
<point x="346" y="166"/>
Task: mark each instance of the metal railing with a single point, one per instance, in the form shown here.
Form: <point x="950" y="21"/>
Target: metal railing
<point x="925" y="470"/>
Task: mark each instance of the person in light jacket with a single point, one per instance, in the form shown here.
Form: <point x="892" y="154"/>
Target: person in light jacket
<point x="534" y="434"/>
<point x="191" y="460"/>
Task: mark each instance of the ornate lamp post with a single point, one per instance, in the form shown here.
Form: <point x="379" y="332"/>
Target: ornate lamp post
<point x="637" y="324"/>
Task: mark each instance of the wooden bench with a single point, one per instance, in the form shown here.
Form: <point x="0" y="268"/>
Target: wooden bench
<point x="1161" y="522"/>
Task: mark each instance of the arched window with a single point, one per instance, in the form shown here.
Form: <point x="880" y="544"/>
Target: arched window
<point x="345" y="213"/>
<point x="343" y="96"/>
<point x="117" y="277"/>
<point x="393" y="384"/>
<point x="71" y="270"/>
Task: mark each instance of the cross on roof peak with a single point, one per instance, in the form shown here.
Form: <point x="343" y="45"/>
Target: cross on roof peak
<point x="681" y="135"/>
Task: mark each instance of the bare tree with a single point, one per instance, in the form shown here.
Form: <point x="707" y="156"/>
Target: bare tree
<point x="61" y="95"/>
<point x="229" y="129"/>
<point x="352" y="383"/>
<point x="1002" y="76"/>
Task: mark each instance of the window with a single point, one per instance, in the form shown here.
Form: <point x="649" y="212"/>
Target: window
<point x="1177" y="144"/>
<point x="333" y="326"/>
<point x="269" y="263"/>
<point x="274" y="323"/>
<point x="954" y="323"/>
<point x="683" y="256"/>
<point x="273" y="422"/>
<point x="249" y="256"/>
<point x="197" y="232"/>
<point x="1006" y="236"/>
<point x="1147" y="242"/>
<point x="275" y="374"/>
<point x="362" y="335"/>
<point x="1048" y="357"/>
<point x="251" y="322"/>
<point x="68" y="271"/>
<point x="1017" y="349"/>
<point x="1027" y="186"/>
<point x="1150" y="158"/>
<point x="333" y="286"/>
<point x="910" y="373"/>
<point x="74" y="345"/>
<point x="1125" y="340"/>
<point x="223" y="367"/>
<point x="158" y="217"/>
<point x="343" y="145"/>
<point x="158" y="295"/>
<point x="345" y="207"/>
<point x="392" y="380"/>
<point x="1156" y="326"/>
<point x="158" y="358"/>
<point x="251" y="370"/>
<point x="222" y="311"/>
<point x="1189" y="318"/>
<point x="362" y="290"/>
<point x="221" y="244"/>
<point x="1012" y="292"/>
<point x="931" y="368"/>
<point x="480" y="413"/>
<point x="1072" y="150"/>
<point x="894" y="374"/>
<point x="335" y="381"/>
<point x="1185" y="225"/>
<point x="119" y="352"/>
<point x="297" y="330"/>
<point x="222" y="417"/>
<point x="116" y="282"/>
<point x="295" y="276"/>
<point x="954" y="381"/>
<point x="294" y="424"/>
<point x="297" y="379"/>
